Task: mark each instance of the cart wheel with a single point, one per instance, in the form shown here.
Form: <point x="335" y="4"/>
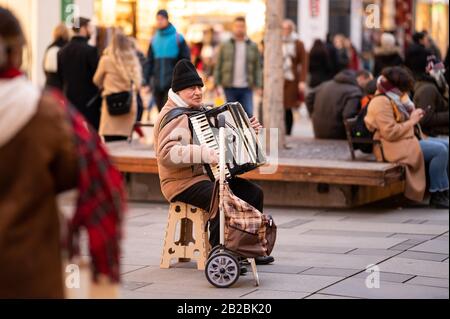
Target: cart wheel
<point x="215" y="250"/>
<point x="222" y="270"/>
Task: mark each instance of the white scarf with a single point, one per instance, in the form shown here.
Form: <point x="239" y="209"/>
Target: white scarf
<point x="289" y="52"/>
<point x="19" y="101"/>
<point x="177" y="99"/>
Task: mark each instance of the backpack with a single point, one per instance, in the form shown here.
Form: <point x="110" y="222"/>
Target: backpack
<point x="360" y="130"/>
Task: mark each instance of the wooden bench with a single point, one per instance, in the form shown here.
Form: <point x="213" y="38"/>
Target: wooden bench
<point x="313" y="173"/>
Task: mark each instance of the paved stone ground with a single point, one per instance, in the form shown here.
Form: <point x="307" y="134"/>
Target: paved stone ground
<point x="319" y="254"/>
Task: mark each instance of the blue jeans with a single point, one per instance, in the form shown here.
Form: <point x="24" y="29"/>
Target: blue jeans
<point x="435" y="153"/>
<point x="243" y="96"/>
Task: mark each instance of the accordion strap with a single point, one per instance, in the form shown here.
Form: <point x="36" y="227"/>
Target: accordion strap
<point x="173" y="114"/>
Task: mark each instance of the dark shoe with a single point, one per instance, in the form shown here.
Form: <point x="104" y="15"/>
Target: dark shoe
<point x="243" y="270"/>
<point x="243" y="261"/>
<point x="439" y="200"/>
<point x="264" y="260"/>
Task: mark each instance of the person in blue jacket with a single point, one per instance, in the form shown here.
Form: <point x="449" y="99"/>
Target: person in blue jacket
<point x="165" y="50"/>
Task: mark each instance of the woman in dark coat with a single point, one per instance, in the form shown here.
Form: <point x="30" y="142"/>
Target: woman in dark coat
<point x="320" y="67"/>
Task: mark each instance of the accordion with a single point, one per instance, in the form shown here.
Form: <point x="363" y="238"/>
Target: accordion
<point x="243" y="149"/>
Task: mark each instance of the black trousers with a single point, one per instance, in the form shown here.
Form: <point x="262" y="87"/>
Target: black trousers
<point x="288" y="120"/>
<point x="200" y="195"/>
<point x="160" y="98"/>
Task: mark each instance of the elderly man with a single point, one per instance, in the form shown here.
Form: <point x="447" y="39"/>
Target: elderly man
<point x="184" y="180"/>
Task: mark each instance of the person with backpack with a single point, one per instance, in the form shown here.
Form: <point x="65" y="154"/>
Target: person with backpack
<point x="180" y="162"/>
<point x="165" y="50"/>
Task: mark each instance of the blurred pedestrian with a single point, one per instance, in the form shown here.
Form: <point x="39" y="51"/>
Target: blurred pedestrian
<point x="336" y="100"/>
<point x="353" y="56"/>
<point x="77" y="63"/>
<point x="431" y="94"/>
<point x="343" y="59"/>
<point x="432" y="46"/>
<point x="238" y="68"/>
<point x="320" y="66"/>
<point x="387" y="54"/>
<point x="140" y="101"/>
<point x="295" y="67"/>
<point x="333" y="54"/>
<point x="416" y="52"/>
<point x="165" y="50"/>
<point x="119" y="71"/>
<point x="60" y="39"/>
<point x="46" y="149"/>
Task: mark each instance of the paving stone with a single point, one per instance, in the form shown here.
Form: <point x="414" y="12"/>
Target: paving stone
<point x="415" y="221"/>
<point x="387" y="276"/>
<point x="133" y="285"/>
<point x="413" y="236"/>
<point x="200" y="289"/>
<point x="416" y="267"/>
<point x="295" y="223"/>
<point x="429" y="281"/>
<point x="347" y="233"/>
<point x="313" y="249"/>
<point x="407" y="244"/>
<point x="281" y="269"/>
<point x="327" y="260"/>
<point x="275" y="294"/>
<point x="356" y="287"/>
<point x="324" y="296"/>
<point x="422" y="255"/>
<point x="436" y="222"/>
<point x="378" y="227"/>
<point x="297" y="283"/>
<point x="347" y="241"/>
<point x="433" y="246"/>
<point x="373" y="252"/>
<point x="129" y="268"/>
<point x="339" y="272"/>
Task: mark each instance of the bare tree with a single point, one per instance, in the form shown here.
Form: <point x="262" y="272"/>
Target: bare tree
<point x="273" y="110"/>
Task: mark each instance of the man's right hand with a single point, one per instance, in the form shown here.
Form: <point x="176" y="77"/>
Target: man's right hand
<point x="416" y="116"/>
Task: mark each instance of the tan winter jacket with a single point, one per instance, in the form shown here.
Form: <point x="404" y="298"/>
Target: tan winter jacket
<point x="179" y="161"/>
<point x="400" y="145"/>
<point x="109" y="77"/>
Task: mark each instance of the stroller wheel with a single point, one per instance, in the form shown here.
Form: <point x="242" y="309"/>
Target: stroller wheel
<point x="222" y="270"/>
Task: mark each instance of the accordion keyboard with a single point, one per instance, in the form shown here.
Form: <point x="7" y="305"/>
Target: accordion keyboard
<point x="205" y="135"/>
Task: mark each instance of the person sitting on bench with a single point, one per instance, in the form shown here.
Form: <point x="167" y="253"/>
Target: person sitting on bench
<point x="185" y="180"/>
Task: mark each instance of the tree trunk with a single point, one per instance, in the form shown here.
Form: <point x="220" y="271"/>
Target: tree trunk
<point x="273" y="109"/>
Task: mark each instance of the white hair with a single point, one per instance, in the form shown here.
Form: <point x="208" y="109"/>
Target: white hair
<point x="387" y="40"/>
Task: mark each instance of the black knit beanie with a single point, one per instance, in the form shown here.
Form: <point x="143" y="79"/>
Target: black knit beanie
<point x="185" y="75"/>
